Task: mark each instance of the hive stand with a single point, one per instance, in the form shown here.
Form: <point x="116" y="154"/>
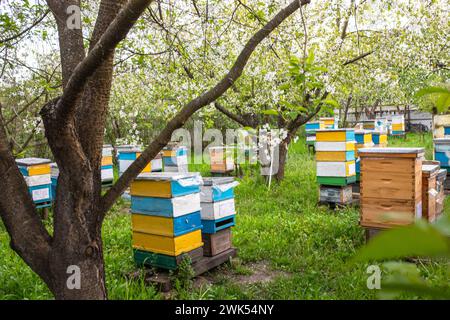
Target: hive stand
<point x="162" y="278"/>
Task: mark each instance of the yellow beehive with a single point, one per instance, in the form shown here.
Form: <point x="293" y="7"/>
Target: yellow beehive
<point x="107" y="161"/>
<point x="171" y="246"/>
<point x="336" y="135"/>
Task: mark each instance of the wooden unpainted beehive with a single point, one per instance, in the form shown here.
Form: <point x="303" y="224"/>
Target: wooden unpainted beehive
<point x="429" y="191"/>
<point x="216" y="243"/>
<point x="391" y="186"/>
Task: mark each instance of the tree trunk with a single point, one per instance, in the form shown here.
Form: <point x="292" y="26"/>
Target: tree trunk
<point x="283" y="150"/>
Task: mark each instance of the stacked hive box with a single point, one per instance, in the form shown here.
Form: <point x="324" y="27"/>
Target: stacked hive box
<point x="398" y="125"/>
<point x="54" y="175"/>
<point x="391" y="186"/>
<point x="442" y="154"/>
<point x="107" y="171"/>
<point x="311" y="128"/>
<point x="363" y="140"/>
<point x="222" y="159"/>
<point x="36" y="172"/>
<point x="218" y="214"/>
<point x="166" y="218"/>
<point x="328" y="123"/>
<point x="175" y="158"/>
<point x="127" y="156"/>
<point x="335" y="157"/>
<point x="379" y="139"/>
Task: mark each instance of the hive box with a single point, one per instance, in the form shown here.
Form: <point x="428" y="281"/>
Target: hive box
<point x="179" y="169"/>
<point x="107" y="150"/>
<point x="336" y="169"/>
<point x="126" y="158"/>
<point x="165" y="207"/>
<point x="335" y="135"/>
<point x="217" y="242"/>
<point x="171" y="246"/>
<point x="328" y="123"/>
<point x="222" y="159"/>
<point x="54" y="176"/>
<point x="107" y="173"/>
<point x="166" y="184"/>
<point x="442" y="151"/>
<point x="37" y="174"/>
<point x="391" y="186"/>
<point x="214" y="226"/>
<point x="439" y="124"/>
<point x="170" y="227"/>
<point x="313" y="126"/>
<point x="217" y="189"/>
<point x="379" y="139"/>
<point x="335" y="156"/>
<point x="34" y="166"/>
<point x="335" y="146"/>
<point x="429" y="191"/>
<point x="218" y="210"/>
<point x="398" y="124"/>
<point x="340" y="195"/>
<point x="143" y="258"/>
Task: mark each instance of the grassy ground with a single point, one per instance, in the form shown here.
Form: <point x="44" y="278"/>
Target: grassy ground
<point x="289" y="248"/>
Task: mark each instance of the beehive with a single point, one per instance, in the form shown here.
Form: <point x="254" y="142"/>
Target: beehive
<point x="175" y="158"/>
<point x="338" y="195"/>
<point x="429" y="191"/>
<point x="37" y="175"/>
<point x="107" y="171"/>
<point x="218" y="214"/>
<point x="310" y="128"/>
<point x="166" y="218"/>
<point x="391" y="186"/>
<point x="335" y="157"/>
<point x="363" y="139"/>
<point x="127" y="156"/>
<point x="54" y="175"/>
<point x="328" y="123"/>
<point x="379" y="139"/>
<point x="222" y="159"/>
<point x="442" y="152"/>
<point x="439" y="124"/>
<point x="398" y="125"/>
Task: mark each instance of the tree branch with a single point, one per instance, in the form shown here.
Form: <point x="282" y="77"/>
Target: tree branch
<point x="356" y="59"/>
<point x="116" y="32"/>
<point x="188" y="110"/>
<point x="232" y="116"/>
<point x="21" y="33"/>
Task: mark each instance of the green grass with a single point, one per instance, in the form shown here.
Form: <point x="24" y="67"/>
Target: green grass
<point x="305" y="247"/>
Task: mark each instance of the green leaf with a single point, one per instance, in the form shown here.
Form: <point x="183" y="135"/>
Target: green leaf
<point x="270" y="112"/>
<point x="331" y="102"/>
<point x="418" y="240"/>
<point x="443" y="102"/>
<point x="431" y="90"/>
